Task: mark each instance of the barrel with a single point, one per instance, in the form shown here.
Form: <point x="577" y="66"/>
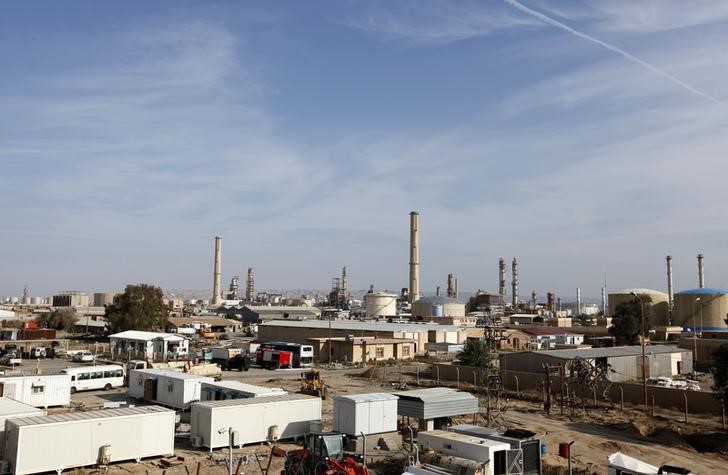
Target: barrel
<point x="564" y="449"/>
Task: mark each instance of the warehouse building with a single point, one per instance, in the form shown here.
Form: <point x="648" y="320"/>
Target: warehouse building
<point x="353" y="349"/>
<point x="302" y="331"/>
<point x="624" y="362"/>
<point x="261" y="313"/>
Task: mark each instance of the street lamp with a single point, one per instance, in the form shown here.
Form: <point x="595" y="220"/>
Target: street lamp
<point x="644" y="370"/>
<point x="695" y="330"/>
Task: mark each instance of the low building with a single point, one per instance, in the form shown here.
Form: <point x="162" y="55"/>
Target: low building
<point x="90" y="326"/>
<point x="193" y="325"/>
<point x="624" y="363"/>
<point x="362" y="350"/>
<point x="302" y="331"/>
<point x="550" y="338"/>
<point x="260" y="313"/>
<point x="71" y="298"/>
<point x="147" y="345"/>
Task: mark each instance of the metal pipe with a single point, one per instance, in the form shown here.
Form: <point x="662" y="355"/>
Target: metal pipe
<point x="414" y="264"/>
<point x="364" y="450"/>
<point x="701" y="272"/>
<point x="216" y="275"/>
<point x="578" y="301"/>
<point x="644" y="369"/>
<point x="670" y="295"/>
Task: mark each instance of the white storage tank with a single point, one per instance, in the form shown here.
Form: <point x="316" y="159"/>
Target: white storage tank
<point x="372" y="413"/>
<point x="79" y="439"/>
<point x="380" y="304"/>
<point x="253" y="419"/>
<point x="223" y="390"/>
<point x="168" y="388"/>
<point x="39" y="390"/>
<point x="10" y="409"/>
<point x="465" y="446"/>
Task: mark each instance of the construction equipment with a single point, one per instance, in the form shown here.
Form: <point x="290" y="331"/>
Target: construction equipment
<point x="323" y="454"/>
<point x="312" y="384"/>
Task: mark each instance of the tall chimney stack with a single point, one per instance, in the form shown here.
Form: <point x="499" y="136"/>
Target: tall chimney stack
<point x="414" y="264"/>
<point x="534" y="302"/>
<point x="670" y="296"/>
<point x="604" y="301"/>
<point x="514" y="283"/>
<point x="701" y="272"/>
<point x="216" y="296"/>
<point x="578" y="301"/>
<point x="451" y="285"/>
<point x="501" y="276"/>
<point x="250" y="286"/>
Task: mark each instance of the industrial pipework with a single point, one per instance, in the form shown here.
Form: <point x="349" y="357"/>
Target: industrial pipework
<point x="216" y="276"/>
<point x="514" y="282"/>
<point x="250" y="286"/>
<point x="501" y="276"/>
<point x="414" y="264"/>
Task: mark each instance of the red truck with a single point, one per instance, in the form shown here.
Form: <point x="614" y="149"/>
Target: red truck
<point x="273" y="359"/>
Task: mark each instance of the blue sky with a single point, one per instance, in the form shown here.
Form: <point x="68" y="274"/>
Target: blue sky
<point x="583" y="137"/>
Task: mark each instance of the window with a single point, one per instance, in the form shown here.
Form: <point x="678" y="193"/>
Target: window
<point x="380" y="352"/>
<point x="405" y="350"/>
<point x="38" y="389"/>
<point x="97" y="375"/>
<point x="84" y="376"/>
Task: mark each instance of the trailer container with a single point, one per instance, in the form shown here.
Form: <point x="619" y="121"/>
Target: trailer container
<point x="78" y="439"/>
<point x="519" y="439"/>
<point x="168" y="388"/>
<point x="10" y="409"/>
<point x="372" y="413"/>
<point x="222" y="390"/>
<point x="254" y="419"/>
<point x="39" y="390"/>
<point x="492" y="452"/>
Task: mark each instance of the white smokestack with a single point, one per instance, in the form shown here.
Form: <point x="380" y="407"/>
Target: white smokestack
<point x="578" y="301"/>
<point x="670" y="296"/>
<point x="216" y="296"/>
<point x="701" y="272"/>
<point x="414" y="264"/>
<point x="514" y="283"/>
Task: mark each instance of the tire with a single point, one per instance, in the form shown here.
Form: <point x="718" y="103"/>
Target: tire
<point x="107" y="387"/>
<point x="73" y="389"/>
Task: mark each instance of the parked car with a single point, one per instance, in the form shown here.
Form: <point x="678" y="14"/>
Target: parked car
<point x="37" y="352"/>
<point x="83" y="357"/>
<point x="10" y="358"/>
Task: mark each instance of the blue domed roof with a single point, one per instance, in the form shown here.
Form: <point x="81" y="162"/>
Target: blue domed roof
<point x="703" y="291"/>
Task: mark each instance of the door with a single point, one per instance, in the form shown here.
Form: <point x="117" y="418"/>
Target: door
<point x="150" y="389"/>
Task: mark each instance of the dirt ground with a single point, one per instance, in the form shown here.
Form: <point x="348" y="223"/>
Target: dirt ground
<point x="699" y="445"/>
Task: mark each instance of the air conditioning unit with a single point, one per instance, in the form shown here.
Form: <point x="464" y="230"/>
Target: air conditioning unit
<point x="4" y="466"/>
<point x="196" y="441"/>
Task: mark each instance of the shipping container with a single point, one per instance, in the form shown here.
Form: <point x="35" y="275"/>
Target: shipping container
<point x="372" y="413"/>
<point x="168" y="388"/>
<point x="11" y="409"/>
<point x="39" y="390"/>
<point x="222" y="390"/>
<point x="492" y="452"/>
<point x="79" y="439"/>
<point x="254" y="419"/>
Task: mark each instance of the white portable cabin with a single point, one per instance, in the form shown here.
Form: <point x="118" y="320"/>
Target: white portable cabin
<point x="467" y="447"/>
<point x="39" y="390"/>
<point x="254" y="419"/>
<point x="10" y="409"/>
<point x="78" y="439"/>
<point x="372" y="413"/>
<point x="168" y="388"/>
<point x="223" y="390"/>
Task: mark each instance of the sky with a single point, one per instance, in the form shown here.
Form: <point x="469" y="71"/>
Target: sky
<point x="586" y="138"/>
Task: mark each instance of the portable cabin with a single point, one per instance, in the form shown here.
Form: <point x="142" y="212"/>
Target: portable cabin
<point x="167" y="388"/>
<point x="39" y="390"/>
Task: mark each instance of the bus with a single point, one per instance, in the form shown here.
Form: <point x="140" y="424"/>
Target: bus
<point x="302" y="354"/>
<point x="87" y="378"/>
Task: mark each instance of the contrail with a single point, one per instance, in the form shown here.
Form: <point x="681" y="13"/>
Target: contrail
<point x="548" y="20"/>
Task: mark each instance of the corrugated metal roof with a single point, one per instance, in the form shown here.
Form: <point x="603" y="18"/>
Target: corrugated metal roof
<point x="364" y="326"/>
<point x="82" y="416"/>
<point x="253" y="400"/>
<point x="12" y="408"/>
<point x="243" y="387"/>
<point x="170" y="373"/>
<point x="703" y="291"/>
<point x="608" y="352"/>
<point x="431" y="403"/>
<point x="369" y="397"/>
<point x="145" y="336"/>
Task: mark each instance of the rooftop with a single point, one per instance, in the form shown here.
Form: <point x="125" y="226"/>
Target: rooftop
<point x="368" y="397"/>
<point x="611" y="352"/>
<point x="81" y="416"/>
<point x="253" y="400"/>
<point x="703" y="291"/>
<point x="212" y="321"/>
<point x="145" y="336"/>
<point x="351" y="325"/>
<point x="639" y="291"/>
<point x="547" y="331"/>
<point x="437" y="300"/>
<point x="11" y="408"/>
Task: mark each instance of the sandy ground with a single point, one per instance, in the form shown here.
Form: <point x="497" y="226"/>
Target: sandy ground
<point x="664" y="439"/>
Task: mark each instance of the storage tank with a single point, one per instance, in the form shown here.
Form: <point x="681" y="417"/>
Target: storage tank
<point x="380" y="304"/>
<point x="704" y="309"/>
<point x="660" y="302"/>
<point x="36" y="301"/>
<point x="438" y="306"/>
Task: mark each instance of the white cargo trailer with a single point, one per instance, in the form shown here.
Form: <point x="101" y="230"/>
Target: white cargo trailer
<point x="254" y="419"/>
<point x="468" y="447"/>
<point x="79" y="439"/>
<point x="39" y="390"/>
<point x="372" y="413"/>
<point x="168" y="388"/>
<point x="222" y="390"/>
<point x="10" y="409"/>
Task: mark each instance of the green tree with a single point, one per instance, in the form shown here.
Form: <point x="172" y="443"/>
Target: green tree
<point x="59" y="319"/>
<point x="720" y="371"/>
<point x="475" y="353"/>
<point x="627" y="320"/>
<point x="139" y="307"/>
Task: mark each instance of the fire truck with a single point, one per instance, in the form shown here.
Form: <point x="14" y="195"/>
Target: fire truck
<point x="272" y="358"/>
